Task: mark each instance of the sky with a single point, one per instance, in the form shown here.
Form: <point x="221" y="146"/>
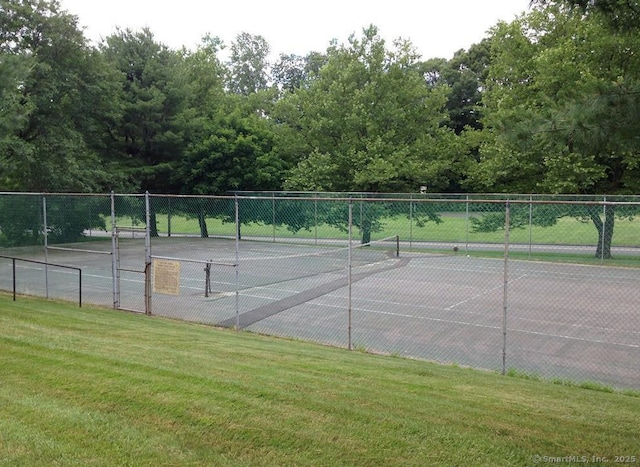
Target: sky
<point x="437" y="28"/>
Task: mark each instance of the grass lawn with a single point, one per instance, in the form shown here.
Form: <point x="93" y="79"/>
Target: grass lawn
<point x="453" y="228"/>
<point x="98" y="387"/>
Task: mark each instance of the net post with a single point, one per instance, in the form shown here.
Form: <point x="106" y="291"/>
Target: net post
<point x="207" y="278"/>
<point x="397" y="246"/>
<point x="79" y="288"/>
<point x="13" y="260"/>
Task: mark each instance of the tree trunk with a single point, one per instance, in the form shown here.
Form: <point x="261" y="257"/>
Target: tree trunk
<point x="202" y="221"/>
<point x="605" y="231"/>
<point x="153" y="228"/>
<point x="366" y="231"/>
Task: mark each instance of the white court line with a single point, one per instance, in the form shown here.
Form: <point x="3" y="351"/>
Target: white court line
<point x="423" y="318"/>
<point x="535" y="273"/>
<point x="581" y="339"/>
<point x="562" y="323"/>
<point x="417" y="317"/>
<point x="246" y="292"/>
<point x="485" y="326"/>
<point x="485" y="293"/>
<point x="531" y="320"/>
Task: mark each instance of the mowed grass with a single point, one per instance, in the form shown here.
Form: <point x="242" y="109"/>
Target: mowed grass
<point x="99" y="387"/>
<point x="454" y="228"/>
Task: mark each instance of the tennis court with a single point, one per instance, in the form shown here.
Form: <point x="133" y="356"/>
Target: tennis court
<point x="561" y="321"/>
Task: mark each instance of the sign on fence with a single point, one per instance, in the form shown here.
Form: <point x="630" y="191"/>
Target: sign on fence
<point x="166" y="277"/>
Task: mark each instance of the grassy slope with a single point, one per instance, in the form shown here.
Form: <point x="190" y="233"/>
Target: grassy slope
<point x="99" y="387"/>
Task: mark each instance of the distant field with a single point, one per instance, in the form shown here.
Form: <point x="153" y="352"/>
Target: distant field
<point x="454" y="228"/>
<point x="98" y="387"/>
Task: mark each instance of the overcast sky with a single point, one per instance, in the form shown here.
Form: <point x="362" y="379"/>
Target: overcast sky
<point x="437" y="28"/>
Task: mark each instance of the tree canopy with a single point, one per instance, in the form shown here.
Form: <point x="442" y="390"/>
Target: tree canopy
<point x="57" y="92"/>
<point x="545" y="103"/>
<point x="371" y="122"/>
<point x="562" y="109"/>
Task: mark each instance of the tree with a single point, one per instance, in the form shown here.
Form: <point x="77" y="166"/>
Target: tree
<point x="289" y="72"/>
<point x="229" y="158"/>
<point x="148" y="138"/>
<point x="562" y="109"/>
<point x="371" y="123"/>
<point x="228" y="136"/>
<point x="55" y="100"/>
<point x="619" y="14"/>
<point x="464" y="75"/>
<point x="14" y="70"/>
<point x="293" y="72"/>
<point x="248" y="64"/>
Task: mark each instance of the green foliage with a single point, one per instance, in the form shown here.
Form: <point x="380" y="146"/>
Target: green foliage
<point x="146" y="140"/>
<point x="562" y="109"/>
<point x="464" y="75"/>
<point x="520" y="216"/>
<point x="248" y="64"/>
<point x="68" y="218"/>
<point x="371" y="123"/>
<point x="21" y="218"/>
<point x="53" y="121"/>
<point x="562" y="106"/>
<point x="547" y="103"/>
<point x="235" y="154"/>
<point x="619" y="14"/>
<point x="292" y="72"/>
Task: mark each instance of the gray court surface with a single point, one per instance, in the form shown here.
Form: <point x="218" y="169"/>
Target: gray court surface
<point x="563" y="321"/>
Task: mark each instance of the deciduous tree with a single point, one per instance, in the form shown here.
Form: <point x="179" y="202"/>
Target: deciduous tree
<point x="371" y="123"/>
<point x="562" y="109"/>
<point x="249" y="64"/>
<point x="55" y="101"/>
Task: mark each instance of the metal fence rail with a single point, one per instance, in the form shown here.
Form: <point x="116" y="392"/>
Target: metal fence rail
<point x="45" y="267"/>
<point x="520" y="283"/>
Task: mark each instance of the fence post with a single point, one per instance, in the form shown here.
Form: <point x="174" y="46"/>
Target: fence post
<point x="169" y="218"/>
<point x="237" y="304"/>
<point x="273" y="215"/>
<point x="315" y="219"/>
<point x="147" y="256"/>
<point x="349" y="267"/>
<point x="46" y="245"/>
<point x="604" y="228"/>
<point x="466" y="240"/>
<point x="507" y="224"/>
<point x="411" y="222"/>
<point x="115" y="279"/>
<point x="530" y="225"/>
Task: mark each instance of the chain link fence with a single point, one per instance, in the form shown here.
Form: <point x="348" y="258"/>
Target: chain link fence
<point x="543" y="286"/>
